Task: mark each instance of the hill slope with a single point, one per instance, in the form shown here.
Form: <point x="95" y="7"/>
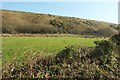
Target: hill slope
<point x="26" y="22"/>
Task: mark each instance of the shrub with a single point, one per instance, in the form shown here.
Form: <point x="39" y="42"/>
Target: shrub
<point x="66" y="54"/>
<point x="116" y="39"/>
<point x="104" y="47"/>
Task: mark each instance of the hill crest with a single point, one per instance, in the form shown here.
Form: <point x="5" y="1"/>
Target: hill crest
<point x="27" y="22"/>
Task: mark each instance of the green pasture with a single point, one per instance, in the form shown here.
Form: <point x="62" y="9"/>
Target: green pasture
<point x="18" y="45"/>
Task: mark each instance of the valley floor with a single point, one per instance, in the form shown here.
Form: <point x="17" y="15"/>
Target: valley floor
<point x="64" y="56"/>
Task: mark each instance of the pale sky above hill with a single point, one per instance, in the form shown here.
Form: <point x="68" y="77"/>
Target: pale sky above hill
<point x="102" y="11"/>
<point x="59" y="0"/>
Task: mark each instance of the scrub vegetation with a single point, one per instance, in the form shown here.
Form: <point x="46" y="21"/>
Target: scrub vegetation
<point x="45" y="46"/>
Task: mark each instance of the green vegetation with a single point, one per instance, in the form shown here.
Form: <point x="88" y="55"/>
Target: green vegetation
<point x="44" y="46"/>
<point x="70" y="62"/>
<point x="25" y="22"/>
<point x="116" y="40"/>
<point x="19" y="45"/>
<point x="49" y="44"/>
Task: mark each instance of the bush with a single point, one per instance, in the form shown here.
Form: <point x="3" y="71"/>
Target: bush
<point x="104" y="47"/>
<point x="66" y="54"/>
<point x="104" y="51"/>
<point x="116" y="39"/>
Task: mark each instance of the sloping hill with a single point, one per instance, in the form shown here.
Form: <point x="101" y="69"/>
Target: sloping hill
<point x="26" y="22"/>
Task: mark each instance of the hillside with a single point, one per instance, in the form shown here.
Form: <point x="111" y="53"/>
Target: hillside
<point x="26" y="22"/>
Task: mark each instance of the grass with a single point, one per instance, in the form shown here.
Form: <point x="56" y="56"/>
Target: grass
<point x="18" y="45"/>
<point x="26" y="22"/>
<point x="47" y="57"/>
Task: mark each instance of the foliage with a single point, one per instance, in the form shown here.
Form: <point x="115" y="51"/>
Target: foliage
<point x="70" y="62"/>
<point x="104" y="47"/>
<point x="70" y="65"/>
<point x="67" y="53"/>
<point x="14" y="22"/>
<point x="116" y="39"/>
<point x="106" y="55"/>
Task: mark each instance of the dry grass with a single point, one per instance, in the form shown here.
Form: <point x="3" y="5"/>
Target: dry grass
<point x="25" y="22"/>
<point x="40" y="35"/>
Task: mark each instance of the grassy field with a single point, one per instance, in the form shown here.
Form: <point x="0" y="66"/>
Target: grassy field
<point x="47" y="57"/>
<point x="46" y="44"/>
<point x="18" y="45"/>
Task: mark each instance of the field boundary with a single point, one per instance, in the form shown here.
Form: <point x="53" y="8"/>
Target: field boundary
<point x="39" y="35"/>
